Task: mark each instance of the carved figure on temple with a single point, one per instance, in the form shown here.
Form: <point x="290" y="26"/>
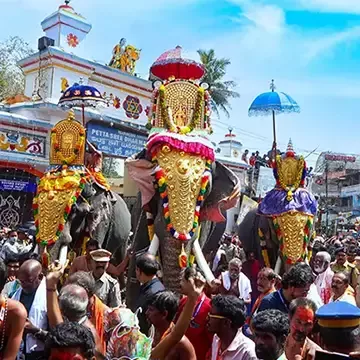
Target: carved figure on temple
<point x="124" y="57"/>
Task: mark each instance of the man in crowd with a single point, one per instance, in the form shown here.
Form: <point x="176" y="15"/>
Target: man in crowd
<point x="12" y="284"/>
<point x="231" y="250"/>
<point x="70" y="341"/>
<point x="96" y="310"/>
<point x="339" y="327"/>
<point x="244" y="156"/>
<point x="341" y="264"/>
<point x="12" y="326"/>
<point x="14" y="246"/>
<point x="324" y="275"/>
<point x="340" y="288"/>
<point x="197" y="333"/>
<point x="295" y="283"/>
<point x="146" y="270"/>
<point x="234" y="282"/>
<point x="32" y="294"/>
<point x="266" y="285"/>
<point x="83" y="263"/>
<point x="107" y="289"/>
<point x="302" y="320"/>
<point x="251" y="268"/>
<point x="161" y="312"/>
<point x="226" y="318"/>
<point x="271" y="328"/>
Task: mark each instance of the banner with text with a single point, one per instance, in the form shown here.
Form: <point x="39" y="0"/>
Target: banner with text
<point x="112" y="141"/>
<point x="15" y="185"/>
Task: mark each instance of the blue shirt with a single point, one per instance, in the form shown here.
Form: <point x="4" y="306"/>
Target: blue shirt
<point x="275" y="300"/>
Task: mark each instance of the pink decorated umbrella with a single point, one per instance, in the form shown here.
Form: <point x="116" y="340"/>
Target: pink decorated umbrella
<point x="172" y="64"/>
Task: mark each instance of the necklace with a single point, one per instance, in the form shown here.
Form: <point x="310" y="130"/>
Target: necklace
<point x="3" y="316"/>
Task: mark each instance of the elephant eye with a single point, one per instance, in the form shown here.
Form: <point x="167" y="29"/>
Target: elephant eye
<point x="104" y="204"/>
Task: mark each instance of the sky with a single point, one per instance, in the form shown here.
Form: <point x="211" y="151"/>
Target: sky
<point x="310" y="48"/>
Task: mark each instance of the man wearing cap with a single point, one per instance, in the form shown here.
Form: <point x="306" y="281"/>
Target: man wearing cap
<point x="107" y="288"/>
<point x="341" y="264"/>
<point x="339" y="327"/>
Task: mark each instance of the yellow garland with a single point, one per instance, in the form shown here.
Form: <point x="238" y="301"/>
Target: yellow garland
<point x="296" y="185"/>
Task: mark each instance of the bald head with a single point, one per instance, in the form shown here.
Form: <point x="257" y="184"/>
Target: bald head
<point x="73" y="302"/>
<point x="30" y="275"/>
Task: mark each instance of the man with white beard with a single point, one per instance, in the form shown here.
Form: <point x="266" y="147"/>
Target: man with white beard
<point x="324" y="275"/>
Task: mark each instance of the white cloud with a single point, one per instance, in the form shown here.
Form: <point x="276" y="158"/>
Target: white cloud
<point x="335" y="6"/>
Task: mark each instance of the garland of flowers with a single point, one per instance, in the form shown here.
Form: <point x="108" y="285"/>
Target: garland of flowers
<point x="306" y="239"/>
<point x="79" y="144"/>
<point x="300" y="178"/>
<point x="67" y="211"/>
<point x="264" y="251"/>
<point x="160" y="177"/>
<point x="207" y="124"/>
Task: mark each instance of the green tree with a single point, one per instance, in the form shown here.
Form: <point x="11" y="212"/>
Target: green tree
<point x="221" y="90"/>
<point x="12" y="79"/>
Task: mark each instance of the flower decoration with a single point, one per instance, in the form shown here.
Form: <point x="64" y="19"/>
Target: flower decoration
<point x="116" y="103"/>
<point x="132" y="107"/>
<point x="72" y="40"/>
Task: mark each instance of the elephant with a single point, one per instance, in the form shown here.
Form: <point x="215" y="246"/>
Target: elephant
<point x="281" y="228"/>
<point x="101" y="214"/>
<point x="224" y="183"/>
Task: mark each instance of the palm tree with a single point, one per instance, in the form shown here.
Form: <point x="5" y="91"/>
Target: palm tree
<point x="221" y="91"/>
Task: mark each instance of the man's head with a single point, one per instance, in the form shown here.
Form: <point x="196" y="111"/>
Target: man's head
<point x="340" y="256"/>
<point x="266" y="280"/>
<point x="270" y="329"/>
<point x="235" y="266"/>
<point x="246" y="151"/>
<point x="73" y="302"/>
<point x="302" y="317"/>
<point x="228" y="313"/>
<point x="100" y="262"/>
<point x="339" y="327"/>
<point x="321" y="262"/>
<point x="190" y="272"/>
<point x="146" y="267"/>
<point x="91" y="245"/>
<point x="162" y="308"/>
<point x="351" y="253"/>
<point x="86" y="281"/>
<point x="251" y="256"/>
<point x="70" y="341"/>
<point x="297" y="281"/>
<point x="339" y="284"/>
<point x="30" y="276"/>
<point x="13" y="235"/>
<point x="13" y="266"/>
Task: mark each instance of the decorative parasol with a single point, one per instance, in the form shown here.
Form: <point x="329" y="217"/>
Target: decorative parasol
<point x="273" y="102"/>
<point x="172" y="64"/>
<point x="82" y="96"/>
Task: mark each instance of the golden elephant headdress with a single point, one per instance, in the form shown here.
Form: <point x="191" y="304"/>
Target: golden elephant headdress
<point x="290" y="171"/>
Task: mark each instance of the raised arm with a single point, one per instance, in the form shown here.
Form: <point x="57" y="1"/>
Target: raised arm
<point x="195" y="286"/>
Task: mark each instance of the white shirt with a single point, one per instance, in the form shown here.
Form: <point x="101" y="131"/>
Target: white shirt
<point x="346" y="298"/>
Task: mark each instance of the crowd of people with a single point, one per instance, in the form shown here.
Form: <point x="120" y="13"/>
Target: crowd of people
<point x="249" y="312"/>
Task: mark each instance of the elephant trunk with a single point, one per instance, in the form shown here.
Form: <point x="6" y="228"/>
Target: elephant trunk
<point x="170" y="249"/>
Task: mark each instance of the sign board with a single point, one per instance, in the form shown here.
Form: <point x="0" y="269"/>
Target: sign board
<point x="266" y="181"/>
<point x="115" y="142"/>
<point x="15" y="185"/>
<point x="340" y="157"/>
<point x="247" y="205"/>
<point x="347" y="191"/>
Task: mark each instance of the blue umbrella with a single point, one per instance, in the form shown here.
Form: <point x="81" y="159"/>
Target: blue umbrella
<point x="273" y="102"/>
<point x="83" y="96"/>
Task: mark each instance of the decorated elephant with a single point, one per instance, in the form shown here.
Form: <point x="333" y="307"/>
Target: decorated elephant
<point x="73" y="202"/>
<point x="182" y="186"/>
<point x="281" y="228"/>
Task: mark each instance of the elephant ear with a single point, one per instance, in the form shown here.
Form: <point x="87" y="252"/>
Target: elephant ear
<point x="224" y="194"/>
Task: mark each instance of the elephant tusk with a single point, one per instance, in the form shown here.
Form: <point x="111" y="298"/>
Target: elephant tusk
<point x="63" y="254"/>
<point x="203" y="265"/>
<point x="154" y="245"/>
<point x="278" y="265"/>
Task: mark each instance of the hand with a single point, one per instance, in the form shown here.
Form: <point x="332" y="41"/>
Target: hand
<point x="194" y="286"/>
<point x="30" y="328"/>
<point x="11" y="278"/>
<point x="56" y="271"/>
